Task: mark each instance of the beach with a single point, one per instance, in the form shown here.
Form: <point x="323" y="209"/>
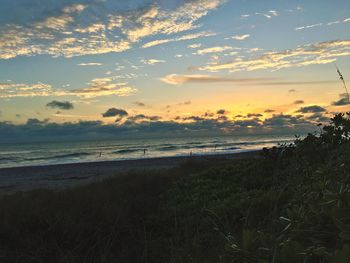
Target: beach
<point x="68" y="175"/>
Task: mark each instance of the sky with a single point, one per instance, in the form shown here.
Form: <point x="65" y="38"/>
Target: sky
<point x="107" y="67"/>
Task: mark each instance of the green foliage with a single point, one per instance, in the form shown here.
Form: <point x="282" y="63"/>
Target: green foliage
<point x="293" y="205"/>
<point x="101" y="222"/>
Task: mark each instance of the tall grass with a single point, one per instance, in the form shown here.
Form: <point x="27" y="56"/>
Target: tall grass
<point x="291" y="206"/>
<point x="341" y="77"/>
<point x="115" y="220"/>
<point x="101" y="222"/>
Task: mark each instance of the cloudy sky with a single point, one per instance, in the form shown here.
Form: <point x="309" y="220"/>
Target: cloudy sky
<point x="228" y="64"/>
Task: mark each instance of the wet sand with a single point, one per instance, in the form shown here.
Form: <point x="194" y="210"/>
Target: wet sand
<point x="67" y="175"/>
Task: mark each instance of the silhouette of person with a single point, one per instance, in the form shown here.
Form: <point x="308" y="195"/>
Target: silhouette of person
<point x="144" y="152"/>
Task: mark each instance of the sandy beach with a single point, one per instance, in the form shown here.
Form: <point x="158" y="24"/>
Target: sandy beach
<point x="67" y="175"/>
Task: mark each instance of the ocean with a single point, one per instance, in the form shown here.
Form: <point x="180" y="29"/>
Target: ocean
<point x="33" y="154"/>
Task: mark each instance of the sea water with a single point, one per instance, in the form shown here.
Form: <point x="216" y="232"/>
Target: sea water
<point x="32" y="154"/>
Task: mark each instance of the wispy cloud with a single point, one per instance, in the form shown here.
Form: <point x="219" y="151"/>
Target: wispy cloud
<point x="211" y="50"/>
<point x="56" y="36"/>
<point x="61" y="21"/>
<point x="105" y="87"/>
<point x="308" y="27"/>
<point x="182" y="38"/>
<point x="183" y="18"/>
<point x="245" y="16"/>
<point x="71" y="32"/>
<point x="269" y="14"/>
<point x="195" y="45"/>
<point x="152" y="61"/>
<point x="90" y="64"/>
<point x="240" y="37"/>
<point x="175" y="79"/>
<point x="97" y="87"/>
<point x="313" y="54"/>
<point x="332" y="23"/>
<point x="12" y="90"/>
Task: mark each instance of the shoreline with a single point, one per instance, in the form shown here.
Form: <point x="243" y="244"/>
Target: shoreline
<point x="141" y="157"/>
<point x="66" y="175"/>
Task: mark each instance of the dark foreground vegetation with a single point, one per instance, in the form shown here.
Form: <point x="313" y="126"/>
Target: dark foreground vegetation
<point x="292" y="205"/>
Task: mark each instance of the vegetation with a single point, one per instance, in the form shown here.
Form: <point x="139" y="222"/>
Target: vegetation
<point x="102" y="222"/>
<point x="291" y="205"/>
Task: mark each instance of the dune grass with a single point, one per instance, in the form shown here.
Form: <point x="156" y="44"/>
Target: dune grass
<point x="101" y="222"/>
<point x="106" y="221"/>
<point x="292" y="205"/>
